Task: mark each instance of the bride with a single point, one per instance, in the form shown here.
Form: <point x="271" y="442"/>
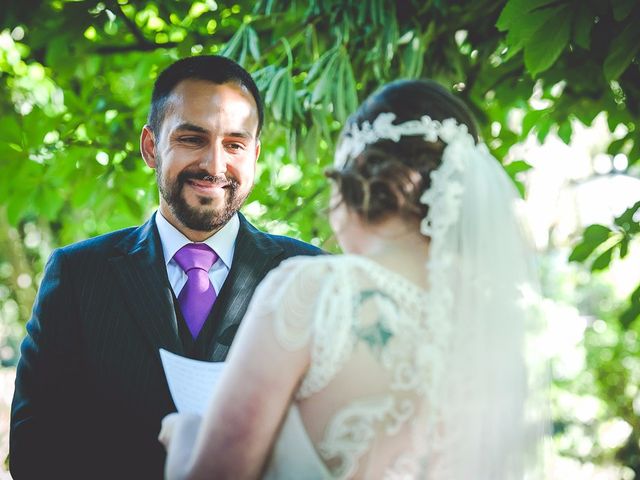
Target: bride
<point x="408" y="357"/>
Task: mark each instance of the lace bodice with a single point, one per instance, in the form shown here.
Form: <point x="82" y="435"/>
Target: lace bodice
<point x="375" y="361"/>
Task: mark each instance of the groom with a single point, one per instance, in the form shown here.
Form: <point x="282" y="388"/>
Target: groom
<point x="90" y="390"/>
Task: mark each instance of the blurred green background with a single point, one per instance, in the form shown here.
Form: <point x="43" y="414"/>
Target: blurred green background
<point x="543" y="77"/>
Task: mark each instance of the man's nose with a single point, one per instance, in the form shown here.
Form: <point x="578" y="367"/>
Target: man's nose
<point x="214" y="160"/>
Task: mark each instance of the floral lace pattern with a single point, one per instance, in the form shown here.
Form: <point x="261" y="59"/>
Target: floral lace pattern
<point x="329" y="293"/>
<point x="351" y="431"/>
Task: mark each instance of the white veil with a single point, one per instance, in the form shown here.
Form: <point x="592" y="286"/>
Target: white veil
<point x="487" y="416"/>
<point x="492" y="413"/>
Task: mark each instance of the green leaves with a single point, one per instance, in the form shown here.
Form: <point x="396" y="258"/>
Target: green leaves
<point x="602" y="242"/>
<point x="281" y="98"/>
<point x="547" y="42"/>
<point x="313" y="63"/>
<point x="334" y="84"/>
<point x="242" y="43"/>
<point x="323" y="73"/>
<point x="565" y="131"/>
<point x="592" y="238"/>
<point x="622" y="8"/>
<point x="346" y="96"/>
<point x="513" y="169"/>
<point x="629" y="221"/>
<point x="623" y="49"/>
<point x="416" y="44"/>
<point x="583" y="23"/>
<point x="632" y="312"/>
<point x="603" y="260"/>
<point x="541" y="27"/>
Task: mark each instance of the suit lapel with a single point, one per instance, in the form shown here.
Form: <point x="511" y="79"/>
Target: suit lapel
<point x="255" y="254"/>
<point x="140" y="269"/>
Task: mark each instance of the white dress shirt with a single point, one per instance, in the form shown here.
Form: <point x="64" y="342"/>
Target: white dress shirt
<point x="223" y="242"/>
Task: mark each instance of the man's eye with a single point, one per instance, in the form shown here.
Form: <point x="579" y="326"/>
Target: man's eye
<point x="191" y="140"/>
<point x="235" y="146"/>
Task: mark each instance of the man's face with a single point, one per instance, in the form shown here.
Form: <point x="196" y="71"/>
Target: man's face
<point x="206" y="155"/>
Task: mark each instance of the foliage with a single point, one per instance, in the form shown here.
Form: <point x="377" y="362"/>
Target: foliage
<point x="596" y="382"/>
<point x="600" y="243"/>
<point x="76" y="79"/>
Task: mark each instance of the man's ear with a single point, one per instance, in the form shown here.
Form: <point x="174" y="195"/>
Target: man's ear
<point x="257" y="149"/>
<point x="148" y="147"/>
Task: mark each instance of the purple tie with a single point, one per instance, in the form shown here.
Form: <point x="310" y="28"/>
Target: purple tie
<point x="197" y="296"/>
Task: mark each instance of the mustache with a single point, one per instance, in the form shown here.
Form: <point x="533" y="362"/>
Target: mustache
<point x="217" y="180"/>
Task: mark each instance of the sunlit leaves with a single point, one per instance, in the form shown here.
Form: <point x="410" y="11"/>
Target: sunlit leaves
<point x="565" y="131"/>
<point x="629" y="221"/>
<point x="313" y="63"/>
<point x="514" y="169"/>
<point x="600" y="243"/>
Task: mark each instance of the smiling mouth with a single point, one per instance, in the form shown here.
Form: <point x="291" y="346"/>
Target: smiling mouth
<point x="207" y="184"/>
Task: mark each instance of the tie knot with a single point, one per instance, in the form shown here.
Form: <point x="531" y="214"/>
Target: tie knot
<point x="195" y="255"/>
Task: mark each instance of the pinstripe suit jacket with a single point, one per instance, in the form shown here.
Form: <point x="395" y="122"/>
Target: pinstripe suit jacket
<point x="90" y="390"/>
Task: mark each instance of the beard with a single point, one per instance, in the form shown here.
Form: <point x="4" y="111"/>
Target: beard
<point x="205" y="217"/>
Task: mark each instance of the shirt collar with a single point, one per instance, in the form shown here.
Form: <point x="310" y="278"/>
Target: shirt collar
<point x="222" y="242"/>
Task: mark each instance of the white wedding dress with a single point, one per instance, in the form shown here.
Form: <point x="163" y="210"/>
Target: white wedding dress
<point x="359" y="411"/>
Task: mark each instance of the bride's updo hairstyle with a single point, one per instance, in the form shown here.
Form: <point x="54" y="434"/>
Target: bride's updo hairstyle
<point x="388" y="178"/>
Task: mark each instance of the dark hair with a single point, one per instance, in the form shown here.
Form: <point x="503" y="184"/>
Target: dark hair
<point x="212" y="68"/>
<point x="388" y="178"/>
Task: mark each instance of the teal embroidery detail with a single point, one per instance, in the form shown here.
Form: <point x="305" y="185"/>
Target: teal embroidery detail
<point x="377" y="335"/>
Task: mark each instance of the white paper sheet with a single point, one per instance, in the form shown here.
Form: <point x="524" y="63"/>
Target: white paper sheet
<point x="191" y="382"/>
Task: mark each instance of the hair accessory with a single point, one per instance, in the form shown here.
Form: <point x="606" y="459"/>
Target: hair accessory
<point x="357" y="138"/>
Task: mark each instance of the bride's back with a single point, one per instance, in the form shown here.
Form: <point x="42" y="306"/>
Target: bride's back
<point x="367" y="385"/>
